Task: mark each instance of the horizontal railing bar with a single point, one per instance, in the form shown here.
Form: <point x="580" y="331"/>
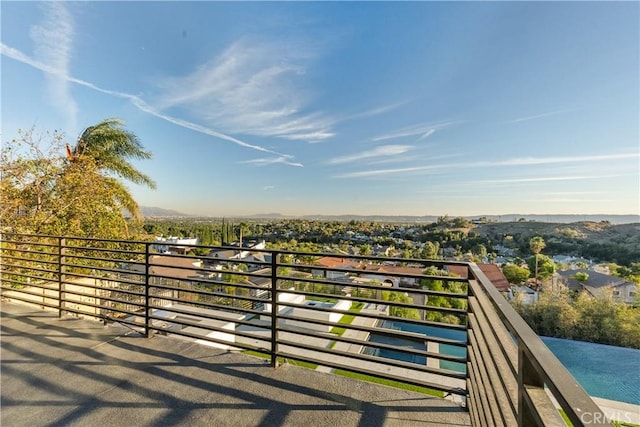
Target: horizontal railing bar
<point x="213" y="305"/>
<point x="319" y="280"/>
<point x="102" y="288"/>
<point x="27" y="276"/>
<point x="70" y="248"/>
<point x="100" y="297"/>
<point x="102" y="278"/>
<point x="70" y="256"/>
<point x="186" y="322"/>
<point x="95" y="239"/>
<point x="384" y="331"/>
<point x="455" y="311"/>
<point x="365" y="357"/>
<point x="210" y="282"/>
<point x="23" y="254"/>
<point x="208" y="293"/>
<point x="174" y="309"/>
<point x="29" y="242"/>
<point x="22" y="266"/>
<point x="38" y="284"/>
<point x="356" y="271"/>
<point x="343" y="339"/>
<point x="407" y="261"/>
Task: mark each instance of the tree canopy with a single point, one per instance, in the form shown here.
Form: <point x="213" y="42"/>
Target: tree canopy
<point x="80" y="194"/>
<point x="559" y="313"/>
<point x="515" y="274"/>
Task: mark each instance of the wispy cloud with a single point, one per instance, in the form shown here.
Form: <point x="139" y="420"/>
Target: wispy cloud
<point x="382" y="151"/>
<point x="547" y="179"/>
<point x="382" y="172"/>
<point x="568" y="200"/>
<point x="53" y="40"/>
<point x="539" y="116"/>
<point x="573" y="193"/>
<point x="272" y="160"/>
<point x="423" y="130"/>
<point x="252" y="88"/>
<point x="507" y="163"/>
<point x="135" y="100"/>
<point x="522" y="161"/>
<point x="268" y="187"/>
<point x="374" y="111"/>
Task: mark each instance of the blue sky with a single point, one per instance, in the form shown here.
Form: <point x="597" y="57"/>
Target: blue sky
<point x="409" y="108"/>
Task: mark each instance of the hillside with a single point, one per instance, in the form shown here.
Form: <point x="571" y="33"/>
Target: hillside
<point x="590" y="239"/>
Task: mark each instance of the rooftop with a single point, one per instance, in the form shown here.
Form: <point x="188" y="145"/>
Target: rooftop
<point x="71" y="371"/>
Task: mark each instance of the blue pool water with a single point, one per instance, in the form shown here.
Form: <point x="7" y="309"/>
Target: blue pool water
<point x="602" y="370"/>
<point x="418" y="359"/>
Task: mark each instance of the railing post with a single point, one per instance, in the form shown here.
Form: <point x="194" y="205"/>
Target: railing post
<point x="528" y="376"/>
<point x="274" y="310"/>
<point x="147" y="305"/>
<point x="62" y="250"/>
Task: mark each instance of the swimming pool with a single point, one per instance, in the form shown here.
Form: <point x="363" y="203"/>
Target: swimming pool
<point x="602" y="370"/>
<point x="450" y="350"/>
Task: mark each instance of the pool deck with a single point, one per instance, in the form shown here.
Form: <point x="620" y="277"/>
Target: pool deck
<point x="620" y="411"/>
<point x="69" y="371"/>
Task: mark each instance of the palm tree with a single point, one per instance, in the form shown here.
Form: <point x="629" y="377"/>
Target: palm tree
<point x="107" y="149"/>
<point x="536" y="244"/>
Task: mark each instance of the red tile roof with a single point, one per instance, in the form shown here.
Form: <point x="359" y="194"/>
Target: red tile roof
<point x="494" y="274"/>
<point x="492" y="271"/>
<point x="333" y="262"/>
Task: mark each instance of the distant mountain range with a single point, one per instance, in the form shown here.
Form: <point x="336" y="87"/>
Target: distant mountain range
<point x="155" y="212"/>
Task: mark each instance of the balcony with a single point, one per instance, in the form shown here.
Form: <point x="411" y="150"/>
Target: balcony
<point x="277" y="338"/>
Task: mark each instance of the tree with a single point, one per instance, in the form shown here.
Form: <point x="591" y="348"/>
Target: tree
<point x="543" y="264"/>
<point x="440" y="285"/>
<point x="107" y="149"/>
<point x="515" y="273"/>
<point x="581" y="277"/>
<point x="430" y="250"/>
<point x="400" y="297"/>
<point x="365" y="249"/>
<point x="479" y="250"/>
<point x="536" y="244"/>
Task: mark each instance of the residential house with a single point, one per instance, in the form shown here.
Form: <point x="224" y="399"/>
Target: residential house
<point x="246" y="251"/>
<point x="526" y="294"/>
<point x="598" y="284"/>
<point x="334" y="262"/>
<point x="387" y="274"/>
<point x="174" y="245"/>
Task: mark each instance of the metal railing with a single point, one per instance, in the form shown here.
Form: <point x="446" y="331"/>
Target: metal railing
<point x="405" y="320"/>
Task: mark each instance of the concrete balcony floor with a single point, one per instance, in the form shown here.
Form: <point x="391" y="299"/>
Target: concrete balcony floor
<point x="69" y="371"/>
